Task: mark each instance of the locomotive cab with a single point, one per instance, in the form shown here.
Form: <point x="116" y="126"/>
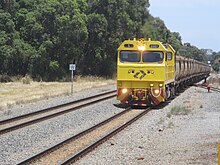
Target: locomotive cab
<point x="144" y="69"/>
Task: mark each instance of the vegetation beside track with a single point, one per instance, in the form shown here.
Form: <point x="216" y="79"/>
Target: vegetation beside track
<point x="214" y="80"/>
<point x="41" y="38"/>
<point x="15" y="93"/>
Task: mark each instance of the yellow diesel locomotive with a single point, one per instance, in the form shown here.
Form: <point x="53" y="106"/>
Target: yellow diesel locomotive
<point x="148" y="72"/>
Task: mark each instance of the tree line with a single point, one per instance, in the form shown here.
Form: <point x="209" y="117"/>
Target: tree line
<point x="42" y="37"/>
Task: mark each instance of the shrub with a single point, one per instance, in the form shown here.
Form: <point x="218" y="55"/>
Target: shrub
<point x="26" y="80"/>
<point x="5" y="78"/>
<point x="178" y="110"/>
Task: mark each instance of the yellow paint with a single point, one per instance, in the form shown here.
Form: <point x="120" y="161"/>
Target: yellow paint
<point x="139" y="75"/>
<point x="153" y="71"/>
<point x="141" y="72"/>
<point x="138" y="84"/>
<point x="170" y="63"/>
<point x="218" y="153"/>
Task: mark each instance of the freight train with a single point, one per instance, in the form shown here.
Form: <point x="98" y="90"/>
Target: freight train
<point x="149" y="72"/>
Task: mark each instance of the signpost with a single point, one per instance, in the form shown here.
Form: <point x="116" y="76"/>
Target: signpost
<point x="72" y="67"/>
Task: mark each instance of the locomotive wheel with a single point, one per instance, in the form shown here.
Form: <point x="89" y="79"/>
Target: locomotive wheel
<point x="167" y="94"/>
<point x="149" y="101"/>
<point x="173" y="93"/>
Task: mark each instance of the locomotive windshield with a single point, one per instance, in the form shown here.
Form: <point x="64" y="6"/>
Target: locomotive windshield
<point x="130" y="56"/>
<point x="153" y="57"/>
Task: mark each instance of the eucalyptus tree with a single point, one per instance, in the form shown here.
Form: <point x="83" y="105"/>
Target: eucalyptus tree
<point x="96" y="45"/>
<point x="57" y="31"/>
<point x="120" y="20"/>
<point x="14" y="52"/>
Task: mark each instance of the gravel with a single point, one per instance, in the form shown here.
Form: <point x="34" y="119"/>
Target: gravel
<point x="23" y="143"/>
<point x="164" y="137"/>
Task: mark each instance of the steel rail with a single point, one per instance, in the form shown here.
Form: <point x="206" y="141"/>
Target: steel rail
<point x="91" y="147"/>
<point x="71" y="106"/>
<point x="73" y="138"/>
<point x="215" y="89"/>
<point x="211" y="88"/>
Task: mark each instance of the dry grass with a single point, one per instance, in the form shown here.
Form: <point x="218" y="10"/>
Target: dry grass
<point x="22" y="92"/>
<point x="178" y="110"/>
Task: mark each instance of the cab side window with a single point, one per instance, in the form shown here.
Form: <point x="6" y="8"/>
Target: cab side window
<point x="169" y="56"/>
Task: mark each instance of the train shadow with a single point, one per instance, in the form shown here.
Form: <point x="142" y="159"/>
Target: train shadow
<point x="126" y="105"/>
<point x="122" y="105"/>
<point x="161" y="105"/>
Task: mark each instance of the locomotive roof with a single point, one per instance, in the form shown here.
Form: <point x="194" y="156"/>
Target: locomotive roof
<point x="132" y="44"/>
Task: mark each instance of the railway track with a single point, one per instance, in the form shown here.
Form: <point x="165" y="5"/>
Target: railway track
<point x="215" y="89"/>
<point x="72" y="149"/>
<point x="205" y="87"/>
<point x="38" y="116"/>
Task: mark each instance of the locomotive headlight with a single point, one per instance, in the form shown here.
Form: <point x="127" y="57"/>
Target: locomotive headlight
<point x="156" y="91"/>
<point x="125" y="90"/>
<point x="160" y="85"/>
<point x="142" y="48"/>
<point x="151" y="85"/>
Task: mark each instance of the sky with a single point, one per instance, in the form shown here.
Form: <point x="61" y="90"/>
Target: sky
<point x="197" y="21"/>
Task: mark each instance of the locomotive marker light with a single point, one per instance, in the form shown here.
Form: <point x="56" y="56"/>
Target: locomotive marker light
<point x="151" y="85"/>
<point x="72" y="67"/>
<point x="156" y="92"/>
